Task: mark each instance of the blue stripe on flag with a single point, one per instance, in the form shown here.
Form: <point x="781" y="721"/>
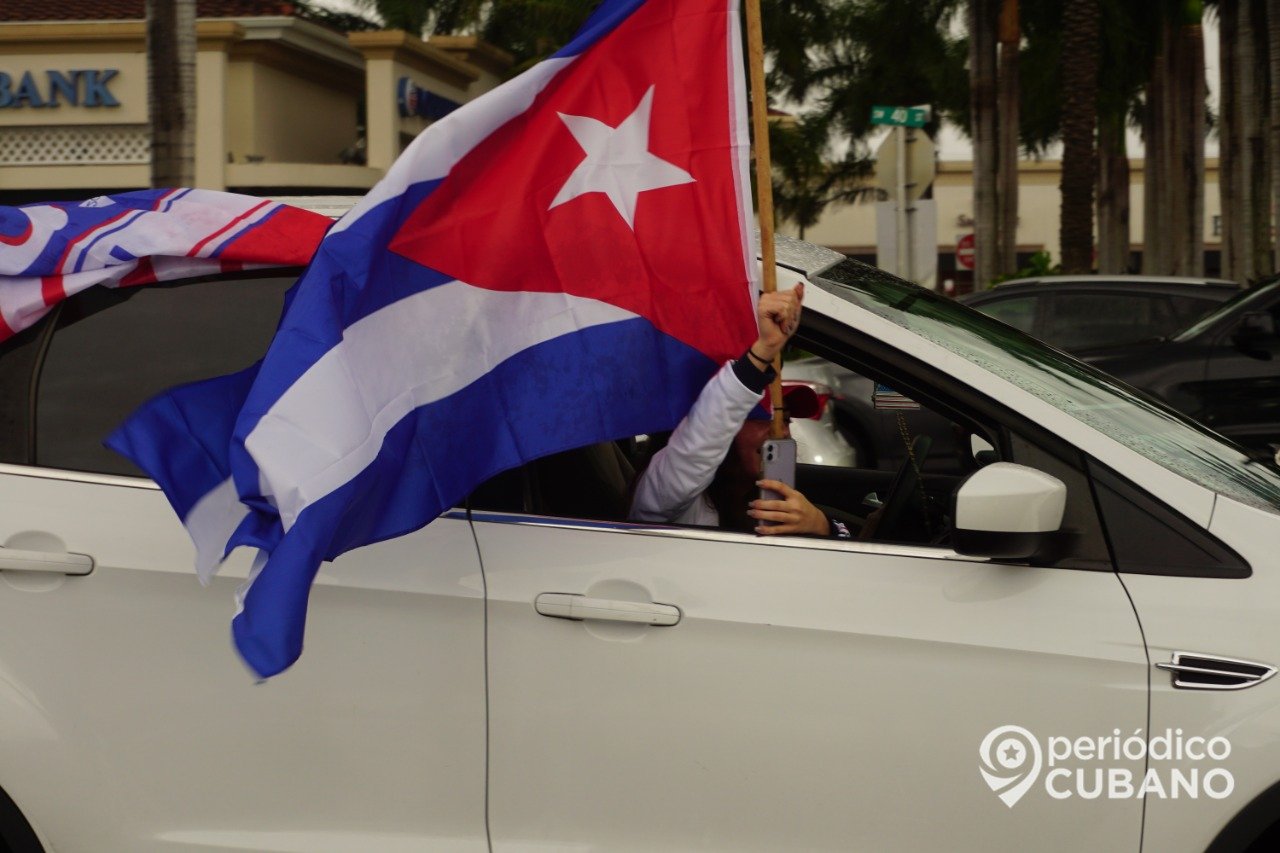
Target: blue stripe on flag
<point x="546" y="399"/>
<point x="181" y="437"/>
<point x="603" y="21"/>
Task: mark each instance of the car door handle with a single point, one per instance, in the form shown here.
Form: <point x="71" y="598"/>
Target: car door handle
<point x="13" y="560"/>
<point x="564" y="605"/>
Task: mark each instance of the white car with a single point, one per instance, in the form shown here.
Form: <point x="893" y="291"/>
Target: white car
<point x="1006" y="659"/>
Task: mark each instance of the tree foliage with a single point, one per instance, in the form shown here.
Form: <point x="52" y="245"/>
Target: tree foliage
<point x="807" y="177"/>
<point x="425" y="17"/>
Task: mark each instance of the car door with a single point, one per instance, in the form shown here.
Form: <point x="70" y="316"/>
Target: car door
<point x="1242" y="381"/>
<point x="730" y="692"/>
<point x="129" y="723"/>
<point x="810" y="695"/>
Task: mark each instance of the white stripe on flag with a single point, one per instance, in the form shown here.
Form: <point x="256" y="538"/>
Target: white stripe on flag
<point x="740" y="138"/>
<point x="210" y="524"/>
<point x="330" y="424"/>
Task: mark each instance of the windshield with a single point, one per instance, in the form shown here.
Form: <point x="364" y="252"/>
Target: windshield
<point x="1237" y="303"/>
<point x="1083" y="392"/>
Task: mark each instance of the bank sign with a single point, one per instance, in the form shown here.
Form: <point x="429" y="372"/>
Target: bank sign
<point x="81" y="87"/>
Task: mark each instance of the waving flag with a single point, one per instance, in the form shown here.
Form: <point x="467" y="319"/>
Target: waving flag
<point x="562" y="261"/>
<point x="51" y="251"/>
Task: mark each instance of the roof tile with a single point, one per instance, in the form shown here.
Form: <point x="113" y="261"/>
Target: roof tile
<point x="13" y="11"/>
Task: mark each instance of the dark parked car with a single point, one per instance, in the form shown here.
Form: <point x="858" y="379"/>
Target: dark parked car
<point x="1075" y="313"/>
<point x="1223" y="370"/>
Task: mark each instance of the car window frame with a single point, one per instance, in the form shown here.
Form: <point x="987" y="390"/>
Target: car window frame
<point x="832" y="340"/>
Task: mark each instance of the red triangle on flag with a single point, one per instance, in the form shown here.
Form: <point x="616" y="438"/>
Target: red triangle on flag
<point x="507" y="217"/>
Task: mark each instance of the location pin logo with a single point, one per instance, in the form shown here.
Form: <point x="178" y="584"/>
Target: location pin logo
<point x="1011" y="762"/>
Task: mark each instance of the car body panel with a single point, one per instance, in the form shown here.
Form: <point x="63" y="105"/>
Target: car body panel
<point x="1239" y="623"/>
<point x="131" y="710"/>
<point x="809" y="698"/>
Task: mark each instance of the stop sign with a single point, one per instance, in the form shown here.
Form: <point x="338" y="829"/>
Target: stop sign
<point x="964" y="251"/>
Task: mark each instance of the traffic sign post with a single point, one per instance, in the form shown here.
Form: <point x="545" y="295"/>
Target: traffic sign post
<point x="907" y="180"/>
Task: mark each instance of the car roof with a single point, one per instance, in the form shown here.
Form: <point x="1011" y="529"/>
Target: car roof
<point x="803" y="257"/>
<point x="1171" y="285"/>
<point x="1117" y="279"/>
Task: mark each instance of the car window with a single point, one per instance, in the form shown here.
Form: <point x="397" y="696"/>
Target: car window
<point x="1081" y="320"/>
<point x="1016" y="311"/>
<point x="1257" y="298"/>
<point x="113" y="349"/>
<point x="1079" y="391"/>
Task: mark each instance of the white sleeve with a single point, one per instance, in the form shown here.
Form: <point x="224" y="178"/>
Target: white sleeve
<point x="682" y="471"/>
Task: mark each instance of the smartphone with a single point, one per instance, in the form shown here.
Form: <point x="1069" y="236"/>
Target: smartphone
<point x="778" y="463"/>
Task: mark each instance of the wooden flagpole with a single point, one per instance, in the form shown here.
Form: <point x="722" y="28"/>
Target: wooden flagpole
<point x="764" y="186"/>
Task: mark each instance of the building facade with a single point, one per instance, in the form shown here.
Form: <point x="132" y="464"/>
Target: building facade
<point x="283" y="104"/>
<point x="852" y="228"/>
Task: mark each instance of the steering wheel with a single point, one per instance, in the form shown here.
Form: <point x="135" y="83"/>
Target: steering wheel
<point x="905" y="482"/>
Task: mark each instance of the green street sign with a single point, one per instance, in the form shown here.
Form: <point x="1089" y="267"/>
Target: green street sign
<point x="900" y="116"/>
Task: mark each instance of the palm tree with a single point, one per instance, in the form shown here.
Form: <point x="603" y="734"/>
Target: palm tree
<point x="1273" y="50"/>
<point x="171" y="75"/>
<point x="1174" y="127"/>
<point x="1080" y="33"/>
<point x="1245" y="167"/>
<point x="1229" y="137"/>
<point x="983" y="18"/>
<point x="1007" y="97"/>
<point x="1251" y="189"/>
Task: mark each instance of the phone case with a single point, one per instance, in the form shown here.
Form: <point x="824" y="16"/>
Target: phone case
<point x="778" y="463"/>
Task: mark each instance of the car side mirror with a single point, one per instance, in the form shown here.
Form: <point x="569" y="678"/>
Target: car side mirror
<point x="1005" y="511"/>
<point x="1257" y="329"/>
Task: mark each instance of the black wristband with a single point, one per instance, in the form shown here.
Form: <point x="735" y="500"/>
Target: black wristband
<point x="768" y="363"/>
<point x="751" y="376"/>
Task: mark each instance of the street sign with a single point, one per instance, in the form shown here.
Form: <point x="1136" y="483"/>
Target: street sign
<point x="921" y="165"/>
<point x="964" y="251"/>
<point x="922" y="266"/>
<point x="900" y="116"/>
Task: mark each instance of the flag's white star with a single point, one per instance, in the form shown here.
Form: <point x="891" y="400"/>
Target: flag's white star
<point x="619" y="163"/>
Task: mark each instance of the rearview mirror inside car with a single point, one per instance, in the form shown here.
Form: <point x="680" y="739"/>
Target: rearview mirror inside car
<point x="1005" y="511"/>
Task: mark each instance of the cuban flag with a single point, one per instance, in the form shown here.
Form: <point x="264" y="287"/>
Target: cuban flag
<point x="563" y="261"/>
<point x="51" y="251"/>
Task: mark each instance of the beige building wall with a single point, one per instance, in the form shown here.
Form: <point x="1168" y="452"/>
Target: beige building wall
<point x="294" y="119"/>
<point x="852" y="228"/>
